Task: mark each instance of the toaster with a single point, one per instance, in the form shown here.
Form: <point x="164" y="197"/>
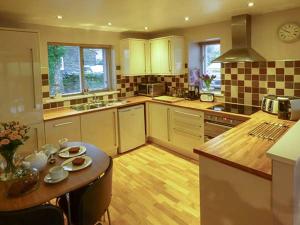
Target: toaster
<point x="269" y="104"/>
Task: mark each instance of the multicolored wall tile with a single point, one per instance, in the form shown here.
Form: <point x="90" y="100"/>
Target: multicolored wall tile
<point x="246" y="83"/>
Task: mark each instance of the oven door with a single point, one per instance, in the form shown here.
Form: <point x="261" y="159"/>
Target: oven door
<point x="213" y="129"/>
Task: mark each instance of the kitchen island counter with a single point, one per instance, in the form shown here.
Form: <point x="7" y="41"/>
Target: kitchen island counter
<point x="238" y="149"/>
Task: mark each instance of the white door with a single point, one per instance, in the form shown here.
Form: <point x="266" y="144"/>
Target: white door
<point x="159" y="121"/>
<point x="20" y="86"/>
<point x="137" y="57"/>
<point x="131" y="127"/>
<point x="100" y="129"/>
<point x="155" y="51"/>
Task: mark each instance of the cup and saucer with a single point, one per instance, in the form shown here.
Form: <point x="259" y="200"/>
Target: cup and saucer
<point x="56" y="174"/>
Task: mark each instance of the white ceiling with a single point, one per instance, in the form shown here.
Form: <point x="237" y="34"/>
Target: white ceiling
<point x="133" y="15"/>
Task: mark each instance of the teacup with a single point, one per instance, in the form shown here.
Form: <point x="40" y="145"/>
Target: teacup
<point x="63" y="143"/>
<point x="56" y="172"/>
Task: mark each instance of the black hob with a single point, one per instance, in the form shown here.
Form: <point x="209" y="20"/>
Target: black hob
<point x="235" y="108"/>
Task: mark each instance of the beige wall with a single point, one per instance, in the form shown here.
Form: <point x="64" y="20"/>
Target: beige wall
<point x="70" y="35"/>
<point x="264" y="35"/>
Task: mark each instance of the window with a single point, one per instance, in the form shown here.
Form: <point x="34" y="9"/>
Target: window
<point x="75" y="68"/>
<point x="210" y="51"/>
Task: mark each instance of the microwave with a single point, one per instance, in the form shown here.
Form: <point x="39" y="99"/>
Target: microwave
<point x="152" y="89"/>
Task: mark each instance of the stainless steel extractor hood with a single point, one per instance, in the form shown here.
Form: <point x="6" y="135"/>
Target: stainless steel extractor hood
<point x="241" y="42"/>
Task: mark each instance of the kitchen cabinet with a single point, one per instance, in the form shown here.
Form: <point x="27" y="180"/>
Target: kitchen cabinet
<point x="158" y="121"/>
<point x="187" y="127"/>
<point x="176" y="128"/>
<point x="166" y="55"/>
<point x="63" y="128"/>
<point x="134" y="57"/>
<point x="100" y="129"/>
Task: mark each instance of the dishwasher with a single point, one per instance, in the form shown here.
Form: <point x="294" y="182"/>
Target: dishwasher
<point x="131" y="127"/>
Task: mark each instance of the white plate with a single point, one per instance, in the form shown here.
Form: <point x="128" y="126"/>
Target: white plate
<point x="49" y="180"/>
<point x="64" y="153"/>
<point x="67" y="165"/>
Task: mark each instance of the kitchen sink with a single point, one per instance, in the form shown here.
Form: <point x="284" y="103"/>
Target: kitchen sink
<point x="98" y="104"/>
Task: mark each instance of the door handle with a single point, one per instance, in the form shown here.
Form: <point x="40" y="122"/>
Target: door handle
<point x="115" y="130"/>
<point x="33" y="78"/>
<point x="62" y="124"/>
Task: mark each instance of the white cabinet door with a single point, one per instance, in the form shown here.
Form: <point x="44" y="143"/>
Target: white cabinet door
<point x="100" y="129"/>
<point x="134" y="56"/>
<point x="187" y="128"/>
<point x="63" y="128"/>
<point x="20" y="86"/>
<point x="155" y="56"/>
<point x="159" y="121"/>
<point x="167" y="55"/>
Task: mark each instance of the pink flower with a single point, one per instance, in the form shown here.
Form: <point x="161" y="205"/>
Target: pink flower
<point x="2" y="134"/>
<point x="5" y="142"/>
<point x="18" y="137"/>
<point x="12" y="137"/>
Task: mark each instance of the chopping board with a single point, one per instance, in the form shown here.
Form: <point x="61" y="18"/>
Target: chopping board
<point x="169" y="99"/>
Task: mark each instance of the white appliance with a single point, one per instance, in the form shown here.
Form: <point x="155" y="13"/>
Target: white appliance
<point x="131" y="127"/>
<point x="20" y="86"/>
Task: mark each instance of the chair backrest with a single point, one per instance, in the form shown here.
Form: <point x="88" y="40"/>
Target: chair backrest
<point x="96" y="198"/>
<point x="39" y="215"/>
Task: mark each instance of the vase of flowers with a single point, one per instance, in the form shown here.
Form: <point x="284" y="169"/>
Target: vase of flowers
<point x="207" y="79"/>
<point x="12" y="135"/>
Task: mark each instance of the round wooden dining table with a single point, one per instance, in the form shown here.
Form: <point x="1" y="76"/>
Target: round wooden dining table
<point x="46" y="192"/>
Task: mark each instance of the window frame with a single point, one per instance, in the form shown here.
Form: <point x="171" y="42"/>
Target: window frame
<point x="108" y="62"/>
<point x="203" y="56"/>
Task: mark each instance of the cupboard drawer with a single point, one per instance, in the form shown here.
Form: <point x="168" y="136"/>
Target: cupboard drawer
<point x="63" y="128"/>
<point x="187" y="117"/>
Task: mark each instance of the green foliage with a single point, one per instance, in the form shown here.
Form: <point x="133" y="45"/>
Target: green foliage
<point x="55" y="52"/>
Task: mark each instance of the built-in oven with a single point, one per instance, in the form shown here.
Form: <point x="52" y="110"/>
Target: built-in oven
<point x="214" y="125"/>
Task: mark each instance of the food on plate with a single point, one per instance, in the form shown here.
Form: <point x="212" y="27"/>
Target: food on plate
<point x="74" y="150"/>
<point x="78" y="161"/>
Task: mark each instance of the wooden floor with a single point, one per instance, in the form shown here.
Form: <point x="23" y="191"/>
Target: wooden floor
<point x="153" y="186"/>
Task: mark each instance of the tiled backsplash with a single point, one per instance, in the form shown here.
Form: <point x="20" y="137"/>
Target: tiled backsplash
<point x="246" y="83"/>
<point x="128" y="85"/>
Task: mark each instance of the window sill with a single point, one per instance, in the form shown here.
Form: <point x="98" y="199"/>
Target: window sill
<point x="68" y="98"/>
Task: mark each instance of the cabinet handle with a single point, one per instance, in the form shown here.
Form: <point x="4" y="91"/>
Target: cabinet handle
<point x="115" y="130"/>
<point x="185" y="132"/>
<point x="145" y="57"/>
<point x="187" y="114"/>
<point x="62" y="124"/>
<point x="168" y="123"/>
<point x="33" y="78"/>
<point x="169" y="55"/>
<point x="150" y="57"/>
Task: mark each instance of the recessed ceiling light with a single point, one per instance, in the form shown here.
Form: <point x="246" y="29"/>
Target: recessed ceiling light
<point x="109" y="24"/>
<point x="146" y="28"/>
<point x="59" y="17"/>
<point x="250" y="4"/>
<point x="186" y="18"/>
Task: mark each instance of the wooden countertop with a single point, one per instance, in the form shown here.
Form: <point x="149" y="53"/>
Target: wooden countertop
<point x="51" y="114"/>
<point x="234" y="147"/>
<point x="237" y="149"/>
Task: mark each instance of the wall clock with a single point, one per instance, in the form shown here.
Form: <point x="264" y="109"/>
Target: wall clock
<point x="289" y="32"/>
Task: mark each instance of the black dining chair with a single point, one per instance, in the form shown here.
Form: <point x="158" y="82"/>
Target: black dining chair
<point x="90" y="203"/>
<point x="39" y="215"/>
